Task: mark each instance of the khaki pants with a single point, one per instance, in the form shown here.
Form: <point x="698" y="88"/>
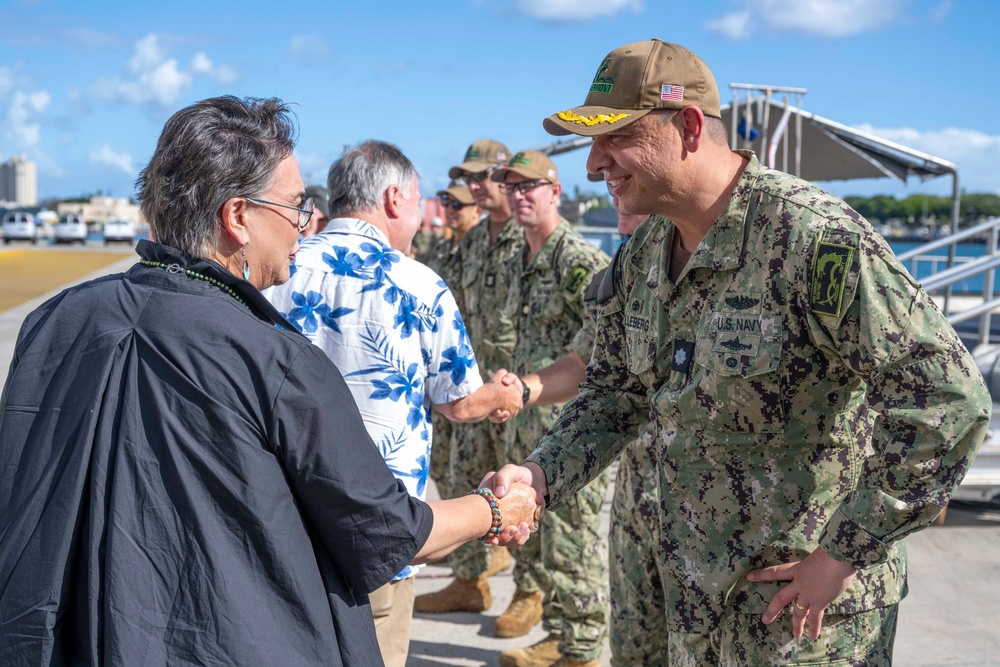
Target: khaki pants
<point x="392" y="609"/>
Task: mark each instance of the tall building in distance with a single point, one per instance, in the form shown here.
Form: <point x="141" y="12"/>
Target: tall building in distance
<point x="18" y="182"/>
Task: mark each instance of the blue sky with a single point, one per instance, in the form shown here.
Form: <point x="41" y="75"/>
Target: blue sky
<point x="85" y="87"/>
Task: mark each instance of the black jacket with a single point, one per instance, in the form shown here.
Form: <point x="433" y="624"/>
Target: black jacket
<point x="185" y="482"/>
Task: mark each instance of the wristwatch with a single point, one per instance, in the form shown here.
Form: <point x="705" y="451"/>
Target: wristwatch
<point x="526" y="395"/>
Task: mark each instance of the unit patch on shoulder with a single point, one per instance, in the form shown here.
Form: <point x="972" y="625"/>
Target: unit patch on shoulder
<point x="576" y="280"/>
<point x="829" y="276"/>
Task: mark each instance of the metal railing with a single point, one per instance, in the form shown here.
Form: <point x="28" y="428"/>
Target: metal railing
<point x="959" y="269"/>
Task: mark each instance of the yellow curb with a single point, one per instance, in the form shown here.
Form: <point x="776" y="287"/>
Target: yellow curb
<point x="28" y="274"/>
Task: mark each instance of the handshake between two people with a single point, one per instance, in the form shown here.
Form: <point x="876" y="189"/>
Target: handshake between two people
<point x="499" y="399"/>
<point x="556" y="383"/>
<point x="509" y="395"/>
<point x="520" y="492"/>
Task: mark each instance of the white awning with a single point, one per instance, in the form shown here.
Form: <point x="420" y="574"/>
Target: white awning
<point x="831" y="151"/>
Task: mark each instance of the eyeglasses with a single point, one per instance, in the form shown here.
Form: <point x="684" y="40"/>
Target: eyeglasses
<point x="453" y="204"/>
<point x="524" y="187"/>
<point x="479" y="176"/>
<point x="308" y="207"/>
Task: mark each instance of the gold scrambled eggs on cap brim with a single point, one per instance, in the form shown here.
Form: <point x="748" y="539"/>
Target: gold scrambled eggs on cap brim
<point x="590" y="121"/>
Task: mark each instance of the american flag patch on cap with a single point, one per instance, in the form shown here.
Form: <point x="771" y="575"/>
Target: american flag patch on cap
<point x="675" y="93"/>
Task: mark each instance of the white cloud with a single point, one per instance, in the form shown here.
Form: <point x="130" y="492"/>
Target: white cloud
<point x="973" y="152"/>
<point x="22" y="128"/>
<point x="201" y="64"/>
<point x="736" y="25"/>
<point x="576" y="11"/>
<point x="105" y="155"/>
<point x="822" y="18"/>
<point x="308" y="47"/>
<point x="223" y="74"/>
<point x="147" y="55"/>
<point x="158" y="80"/>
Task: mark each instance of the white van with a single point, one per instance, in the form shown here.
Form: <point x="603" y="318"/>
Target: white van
<point x="119" y="230"/>
<point x="71" y="228"/>
<point x="19" y="226"/>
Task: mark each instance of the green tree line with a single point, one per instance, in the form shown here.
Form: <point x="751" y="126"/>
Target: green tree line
<point x="883" y="208"/>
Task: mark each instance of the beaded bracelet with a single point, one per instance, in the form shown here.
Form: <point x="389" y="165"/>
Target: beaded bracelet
<point x="497" y="526"/>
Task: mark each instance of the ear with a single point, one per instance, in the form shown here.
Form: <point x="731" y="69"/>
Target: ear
<point x="233" y="219"/>
<point x="556" y="190"/>
<point x="393" y="201"/>
<point x="692" y="126"/>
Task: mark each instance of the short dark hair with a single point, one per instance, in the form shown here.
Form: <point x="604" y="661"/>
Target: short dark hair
<point x="357" y="181"/>
<point x="209" y="152"/>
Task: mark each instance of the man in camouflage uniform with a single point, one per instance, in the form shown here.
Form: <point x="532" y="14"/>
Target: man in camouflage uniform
<point x="566" y="567"/>
<point x="638" y="628"/>
<point x="638" y="625"/>
<point x="759" y="331"/>
<point x="481" y="292"/>
<point x="461" y="213"/>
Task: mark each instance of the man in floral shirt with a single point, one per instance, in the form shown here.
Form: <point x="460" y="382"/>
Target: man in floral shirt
<point x="391" y="326"/>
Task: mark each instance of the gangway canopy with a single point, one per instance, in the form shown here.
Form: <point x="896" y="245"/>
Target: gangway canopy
<point x="832" y="151"/>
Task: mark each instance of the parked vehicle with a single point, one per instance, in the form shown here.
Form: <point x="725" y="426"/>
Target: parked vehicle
<point x="70" y="229"/>
<point x="45" y="225"/>
<point x="119" y="230"/>
<point x="19" y="226"/>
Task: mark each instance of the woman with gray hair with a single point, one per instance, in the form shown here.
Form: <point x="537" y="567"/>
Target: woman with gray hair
<point x="185" y="478"/>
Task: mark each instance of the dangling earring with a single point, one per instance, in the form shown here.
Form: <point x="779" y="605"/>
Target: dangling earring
<point x="246" y="264"/>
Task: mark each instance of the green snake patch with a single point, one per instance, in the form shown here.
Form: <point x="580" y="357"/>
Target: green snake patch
<point x="576" y="280"/>
<point x="829" y="277"/>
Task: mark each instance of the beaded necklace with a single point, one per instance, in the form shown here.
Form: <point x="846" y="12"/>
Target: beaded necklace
<point x="176" y="268"/>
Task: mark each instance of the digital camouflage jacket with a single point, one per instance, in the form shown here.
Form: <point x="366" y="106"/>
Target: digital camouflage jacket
<point x="804" y="391"/>
<point x="483" y="288"/>
<point x="546" y="305"/>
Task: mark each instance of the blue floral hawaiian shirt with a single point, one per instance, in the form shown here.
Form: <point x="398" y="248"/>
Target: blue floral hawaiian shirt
<point x="392" y="327"/>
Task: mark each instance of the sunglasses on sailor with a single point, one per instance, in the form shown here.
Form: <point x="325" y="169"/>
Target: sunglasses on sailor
<point x="524" y="187"/>
<point x="308" y="206"/>
<point x="479" y="176"/>
<point x="454" y="204"/>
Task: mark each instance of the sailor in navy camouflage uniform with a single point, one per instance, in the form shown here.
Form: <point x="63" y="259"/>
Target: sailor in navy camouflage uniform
<point x="760" y="326"/>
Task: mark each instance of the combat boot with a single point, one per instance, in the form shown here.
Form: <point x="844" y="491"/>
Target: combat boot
<point x="567" y="661"/>
<point x="500" y="560"/>
<point x="540" y="654"/>
<point x="460" y="595"/>
<point x="524" y="613"/>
